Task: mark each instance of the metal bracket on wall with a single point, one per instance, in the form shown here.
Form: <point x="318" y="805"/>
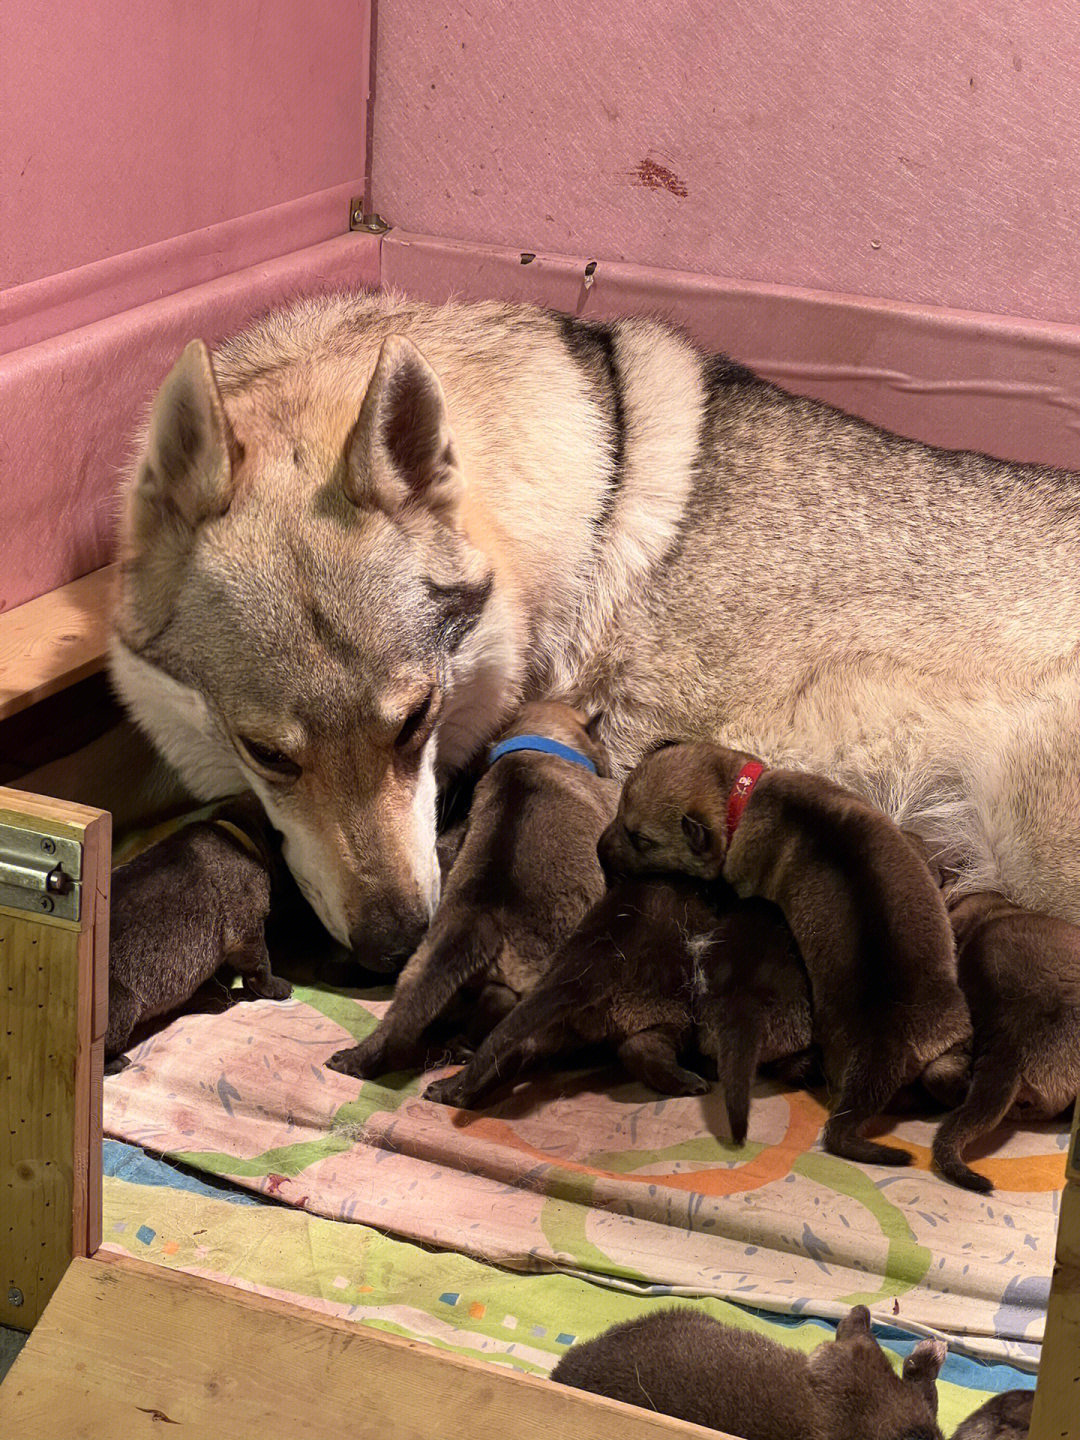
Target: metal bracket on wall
<point x="371" y="224"/>
<point x="40" y="873"/>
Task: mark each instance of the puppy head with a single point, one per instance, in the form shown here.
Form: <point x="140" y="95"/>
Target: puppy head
<point x="859" y="1392"/>
<point x="557" y="721"/>
<point x="672" y="814"/>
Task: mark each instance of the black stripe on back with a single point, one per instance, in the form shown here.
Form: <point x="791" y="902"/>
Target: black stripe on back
<point x="592" y="346"/>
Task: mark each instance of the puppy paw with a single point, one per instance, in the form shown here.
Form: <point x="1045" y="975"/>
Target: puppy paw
<point x="360" y="1061"/>
<point x="372" y="1057"/>
<point x="446" y="1091"/>
<point x="272" y="988"/>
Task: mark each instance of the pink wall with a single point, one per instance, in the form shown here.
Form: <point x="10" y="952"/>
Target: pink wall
<point x="926" y="153"/>
<point x="126" y="123"/>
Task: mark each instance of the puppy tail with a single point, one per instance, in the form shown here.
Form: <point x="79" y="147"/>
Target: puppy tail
<point x="736" y="1063"/>
<point x="995" y="1080"/>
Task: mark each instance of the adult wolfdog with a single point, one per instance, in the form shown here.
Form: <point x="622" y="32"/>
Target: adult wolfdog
<point x="366" y="528"/>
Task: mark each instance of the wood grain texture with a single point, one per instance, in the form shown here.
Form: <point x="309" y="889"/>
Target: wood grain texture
<point x="246" y="1366"/>
<point x="50" y="1112"/>
<point x="1056" y="1415"/>
<point x="49" y="643"/>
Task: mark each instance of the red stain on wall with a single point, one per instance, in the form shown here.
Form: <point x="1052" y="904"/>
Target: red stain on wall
<point x="654" y="176"/>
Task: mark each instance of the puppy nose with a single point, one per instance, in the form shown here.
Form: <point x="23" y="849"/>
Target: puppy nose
<point x="384" y="939"/>
<point x="605" y="853"/>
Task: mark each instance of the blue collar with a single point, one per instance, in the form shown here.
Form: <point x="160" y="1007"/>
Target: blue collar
<point x="545" y="747"/>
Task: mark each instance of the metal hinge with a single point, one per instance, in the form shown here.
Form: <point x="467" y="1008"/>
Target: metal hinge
<point x="359" y="220"/>
<point x="40" y="873"/>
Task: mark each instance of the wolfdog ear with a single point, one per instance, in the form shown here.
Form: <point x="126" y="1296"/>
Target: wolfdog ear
<point x="188" y="462"/>
<point x="185" y="477"/>
<point x="401" y="449"/>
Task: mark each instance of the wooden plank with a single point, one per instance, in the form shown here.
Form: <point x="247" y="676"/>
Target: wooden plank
<point x="1056" y="1415"/>
<point x="49" y="643"/>
<point x="128" y="1349"/>
<point x="50" y="1126"/>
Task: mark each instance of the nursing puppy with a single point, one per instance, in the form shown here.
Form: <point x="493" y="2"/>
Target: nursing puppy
<point x="1006" y="1417"/>
<point x="651" y="969"/>
<point x="686" y="1364"/>
<point x="1020" y="974"/>
<point x="183" y="908"/>
<point x="524" y="876"/>
<point x="866" y="915"/>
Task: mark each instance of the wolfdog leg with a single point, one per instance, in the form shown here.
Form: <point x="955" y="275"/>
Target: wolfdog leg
<point x="652" y="1056"/>
<point x="994" y="1083"/>
<point x="459" y="946"/>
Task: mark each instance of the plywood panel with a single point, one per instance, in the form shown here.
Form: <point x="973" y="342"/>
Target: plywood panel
<point x="126" y="124"/>
<point x="50" y="1125"/>
<point x="860" y="146"/>
<point x="49" y="643"/>
<point x="965" y="381"/>
<point x="71" y="406"/>
<point x="1056" y="1415"/>
<point x="247" y="1367"/>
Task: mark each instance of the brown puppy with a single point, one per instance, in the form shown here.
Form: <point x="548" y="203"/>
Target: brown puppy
<point x="686" y="1364"/>
<point x="1020" y="973"/>
<point x="867" y="917"/>
<point x="652" y="967"/>
<point x="183" y="908"/>
<point x="1006" y="1417"/>
<point x="524" y="876"/>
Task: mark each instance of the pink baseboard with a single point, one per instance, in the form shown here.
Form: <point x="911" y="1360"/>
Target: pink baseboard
<point x="967" y="381"/>
<point x="71" y="403"/>
<point x="44" y="308"/>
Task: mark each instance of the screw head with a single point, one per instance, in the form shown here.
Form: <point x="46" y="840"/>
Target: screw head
<point x="357" y="217"/>
<point x="48" y="846"/>
<point x="15" y="1296"/>
<point x="46" y="903"/>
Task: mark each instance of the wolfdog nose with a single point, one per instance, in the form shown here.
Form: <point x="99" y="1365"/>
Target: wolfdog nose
<point x="383" y="942"/>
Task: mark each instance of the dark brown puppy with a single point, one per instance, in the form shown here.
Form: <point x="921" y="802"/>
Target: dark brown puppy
<point x="524" y="876"/>
<point x="1006" y="1417"/>
<point x="183" y="908"/>
<point x="1020" y="973"/>
<point x="653" y="967"/>
<point x="867" y="917"/>
<point x="686" y="1364"/>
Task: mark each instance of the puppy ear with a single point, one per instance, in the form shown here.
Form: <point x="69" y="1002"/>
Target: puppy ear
<point x="185" y="478"/>
<point x="922" y="1366"/>
<point x="659" y="745"/>
<point x="401" y="450"/>
<point x="592" y="726"/>
<point x="855" y="1322"/>
<point x="926" y="1360"/>
<point x="698" y="835"/>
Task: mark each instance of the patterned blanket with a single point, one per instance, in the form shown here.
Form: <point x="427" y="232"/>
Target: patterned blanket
<point x="594" y="1177"/>
<point x="355" y="1273"/>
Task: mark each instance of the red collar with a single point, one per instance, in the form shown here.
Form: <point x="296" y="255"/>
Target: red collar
<point x="741" y="791"/>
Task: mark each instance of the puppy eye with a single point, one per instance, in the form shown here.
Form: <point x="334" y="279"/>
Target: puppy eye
<point x="267" y="758"/>
<point x="414" y="722"/>
<point x="640" y="842"/>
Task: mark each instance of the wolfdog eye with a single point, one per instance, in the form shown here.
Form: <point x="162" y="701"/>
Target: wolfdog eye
<point x="267" y="758"/>
<point x="414" y="721"/>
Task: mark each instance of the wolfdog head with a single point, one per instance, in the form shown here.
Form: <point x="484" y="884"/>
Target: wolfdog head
<point x="298" y="598"/>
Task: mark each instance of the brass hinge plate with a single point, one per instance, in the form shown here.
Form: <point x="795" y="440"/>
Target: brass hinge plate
<point x="40" y="873"/>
